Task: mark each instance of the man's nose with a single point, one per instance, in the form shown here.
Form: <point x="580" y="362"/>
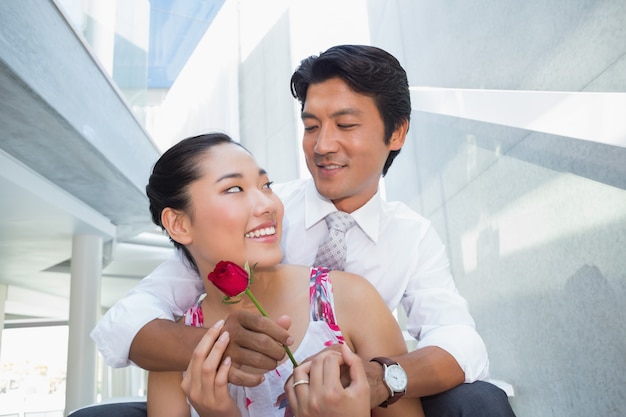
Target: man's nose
<point x="326" y="141"/>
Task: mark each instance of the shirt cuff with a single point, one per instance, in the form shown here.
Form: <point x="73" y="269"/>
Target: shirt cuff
<point x="116" y="330"/>
<point x="464" y="344"/>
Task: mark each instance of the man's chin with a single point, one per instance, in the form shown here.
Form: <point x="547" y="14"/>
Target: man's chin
<point x="328" y="190"/>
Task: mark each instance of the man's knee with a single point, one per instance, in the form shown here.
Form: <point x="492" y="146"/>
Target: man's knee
<point x="479" y="399"/>
<point x="130" y="409"/>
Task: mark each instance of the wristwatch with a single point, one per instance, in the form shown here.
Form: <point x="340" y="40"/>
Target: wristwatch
<point x="394" y="378"/>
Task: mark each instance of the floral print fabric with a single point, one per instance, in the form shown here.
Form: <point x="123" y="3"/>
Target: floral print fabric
<point x="269" y="398"/>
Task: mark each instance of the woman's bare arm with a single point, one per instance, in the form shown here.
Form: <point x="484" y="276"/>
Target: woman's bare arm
<point x="367" y="322"/>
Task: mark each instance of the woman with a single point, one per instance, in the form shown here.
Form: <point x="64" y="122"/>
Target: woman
<point x="216" y="204"/>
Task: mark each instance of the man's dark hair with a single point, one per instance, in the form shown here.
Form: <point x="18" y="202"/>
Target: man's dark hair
<point x="367" y="70"/>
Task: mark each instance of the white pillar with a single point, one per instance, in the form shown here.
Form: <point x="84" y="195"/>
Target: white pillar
<point x="100" y="34"/>
<point x="3" y="301"/>
<point x="85" y="287"/>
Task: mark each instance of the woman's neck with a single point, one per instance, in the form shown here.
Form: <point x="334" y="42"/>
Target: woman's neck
<point x="265" y="286"/>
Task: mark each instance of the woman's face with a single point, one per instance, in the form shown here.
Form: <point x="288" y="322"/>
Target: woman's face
<point x="235" y="216"/>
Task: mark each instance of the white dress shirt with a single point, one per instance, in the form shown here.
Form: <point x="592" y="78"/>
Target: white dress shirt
<point x="392" y="246"/>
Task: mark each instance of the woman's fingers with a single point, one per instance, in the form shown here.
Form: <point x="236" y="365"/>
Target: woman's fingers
<point x="193" y="374"/>
<point x="324" y="394"/>
<point x="359" y="386"/>
<point x="300" y="373"/>
<point x="206" y="379"/>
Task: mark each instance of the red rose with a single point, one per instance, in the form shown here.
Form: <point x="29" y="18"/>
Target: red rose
<point x="233" y="280"/>
<point x="229" y="278"/>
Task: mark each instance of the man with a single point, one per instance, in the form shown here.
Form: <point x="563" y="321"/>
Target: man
<point x="356" y="112"/>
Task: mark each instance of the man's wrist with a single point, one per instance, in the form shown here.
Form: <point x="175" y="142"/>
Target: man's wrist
<point x="378" y="390"/>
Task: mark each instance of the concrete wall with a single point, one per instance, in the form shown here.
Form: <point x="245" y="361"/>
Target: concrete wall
<point x="535" y="224"/>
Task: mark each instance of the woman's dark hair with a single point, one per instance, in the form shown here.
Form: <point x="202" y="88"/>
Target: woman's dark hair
<point x="367" y="70"/>
<point x="174" y="172"/>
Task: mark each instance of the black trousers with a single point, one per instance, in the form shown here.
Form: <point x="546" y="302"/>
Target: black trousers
<point x="480" y="399"/>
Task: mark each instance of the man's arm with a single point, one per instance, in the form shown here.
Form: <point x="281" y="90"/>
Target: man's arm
<point x="255" y="341"/>
<point x="449" y="350"/>
<point x="141" y="327"/>
<point x="164" y="345"/>
<point x="166" y="293"/>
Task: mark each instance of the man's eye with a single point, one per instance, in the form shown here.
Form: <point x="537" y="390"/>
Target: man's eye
<point x="347" y="126"/>
<point x="234" y="189"/>
<point x="309" y="128"/>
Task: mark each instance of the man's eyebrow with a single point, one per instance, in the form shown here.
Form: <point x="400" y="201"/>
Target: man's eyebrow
<point x="338" y="113"/>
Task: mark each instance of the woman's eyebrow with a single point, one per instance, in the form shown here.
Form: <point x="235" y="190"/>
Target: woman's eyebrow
<point x="228" y="176"/>
<point x="238" y="175"/>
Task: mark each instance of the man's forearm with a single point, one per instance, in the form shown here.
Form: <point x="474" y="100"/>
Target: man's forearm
<point x="163" y="345"/>
<point x="430" y="370"/>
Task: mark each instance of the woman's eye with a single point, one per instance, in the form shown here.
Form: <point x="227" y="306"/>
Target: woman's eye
<point x="234" y="189"/>
<point x="268" y="185"/>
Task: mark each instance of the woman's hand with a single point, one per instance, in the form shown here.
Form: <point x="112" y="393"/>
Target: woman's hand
<point x="206" y="381"/>
<point x="324" y="394"/>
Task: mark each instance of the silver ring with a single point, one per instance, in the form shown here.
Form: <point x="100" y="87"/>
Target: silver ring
<point x="300" y="382"/>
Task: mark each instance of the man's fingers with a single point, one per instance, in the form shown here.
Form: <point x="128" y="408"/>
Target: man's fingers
<point x="239" y="377"/>
<point x="242" y="354"/>
<point x="260" y="324"/>
<point x="255" y="340"/>
<point x="285" y="323"/>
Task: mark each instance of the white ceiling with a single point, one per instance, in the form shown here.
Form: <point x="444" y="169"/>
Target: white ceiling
<point x="36" y="228"/>
<point x="73" y="160"/>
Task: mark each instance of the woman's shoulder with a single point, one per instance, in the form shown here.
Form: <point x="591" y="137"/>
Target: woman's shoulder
<point x="287" y="269"/>
<point x="347" y="284"/>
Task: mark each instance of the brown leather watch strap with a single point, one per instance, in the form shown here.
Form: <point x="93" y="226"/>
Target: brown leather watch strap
<point x="393" y="395"/>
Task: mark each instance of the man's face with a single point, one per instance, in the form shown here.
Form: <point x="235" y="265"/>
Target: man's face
<point x="344" y="143"/>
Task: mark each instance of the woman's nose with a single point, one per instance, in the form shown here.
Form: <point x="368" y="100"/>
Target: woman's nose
<point x="264" y="204"/>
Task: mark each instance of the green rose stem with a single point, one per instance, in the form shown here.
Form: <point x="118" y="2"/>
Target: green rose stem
<point x="256" y="303"/>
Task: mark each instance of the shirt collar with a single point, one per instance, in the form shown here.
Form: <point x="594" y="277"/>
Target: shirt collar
<point x="317" y="207"/>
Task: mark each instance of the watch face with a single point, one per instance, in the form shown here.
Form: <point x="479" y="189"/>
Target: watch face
<point x="396" y="378"/>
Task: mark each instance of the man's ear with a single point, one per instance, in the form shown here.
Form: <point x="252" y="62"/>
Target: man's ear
<point x="398" y="136"/>
<point x="176" y="223"/>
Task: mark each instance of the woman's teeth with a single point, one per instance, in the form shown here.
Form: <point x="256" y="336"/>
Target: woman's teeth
<point x="261" y="232"/>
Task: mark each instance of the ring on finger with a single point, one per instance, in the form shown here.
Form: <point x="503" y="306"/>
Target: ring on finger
<point x="300" y="382"/>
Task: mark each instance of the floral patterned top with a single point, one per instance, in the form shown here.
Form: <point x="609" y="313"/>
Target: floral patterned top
<point x="269" y="398"/>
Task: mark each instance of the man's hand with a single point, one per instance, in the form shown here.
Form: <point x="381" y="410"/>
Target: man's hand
<point x="319" y="391"/>
<point x="256" y="345"/>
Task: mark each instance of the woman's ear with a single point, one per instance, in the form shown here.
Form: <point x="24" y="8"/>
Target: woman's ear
<point x="176" y="223"/>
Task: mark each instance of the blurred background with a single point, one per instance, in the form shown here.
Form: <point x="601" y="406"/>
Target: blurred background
<point x="516" y="152"/>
